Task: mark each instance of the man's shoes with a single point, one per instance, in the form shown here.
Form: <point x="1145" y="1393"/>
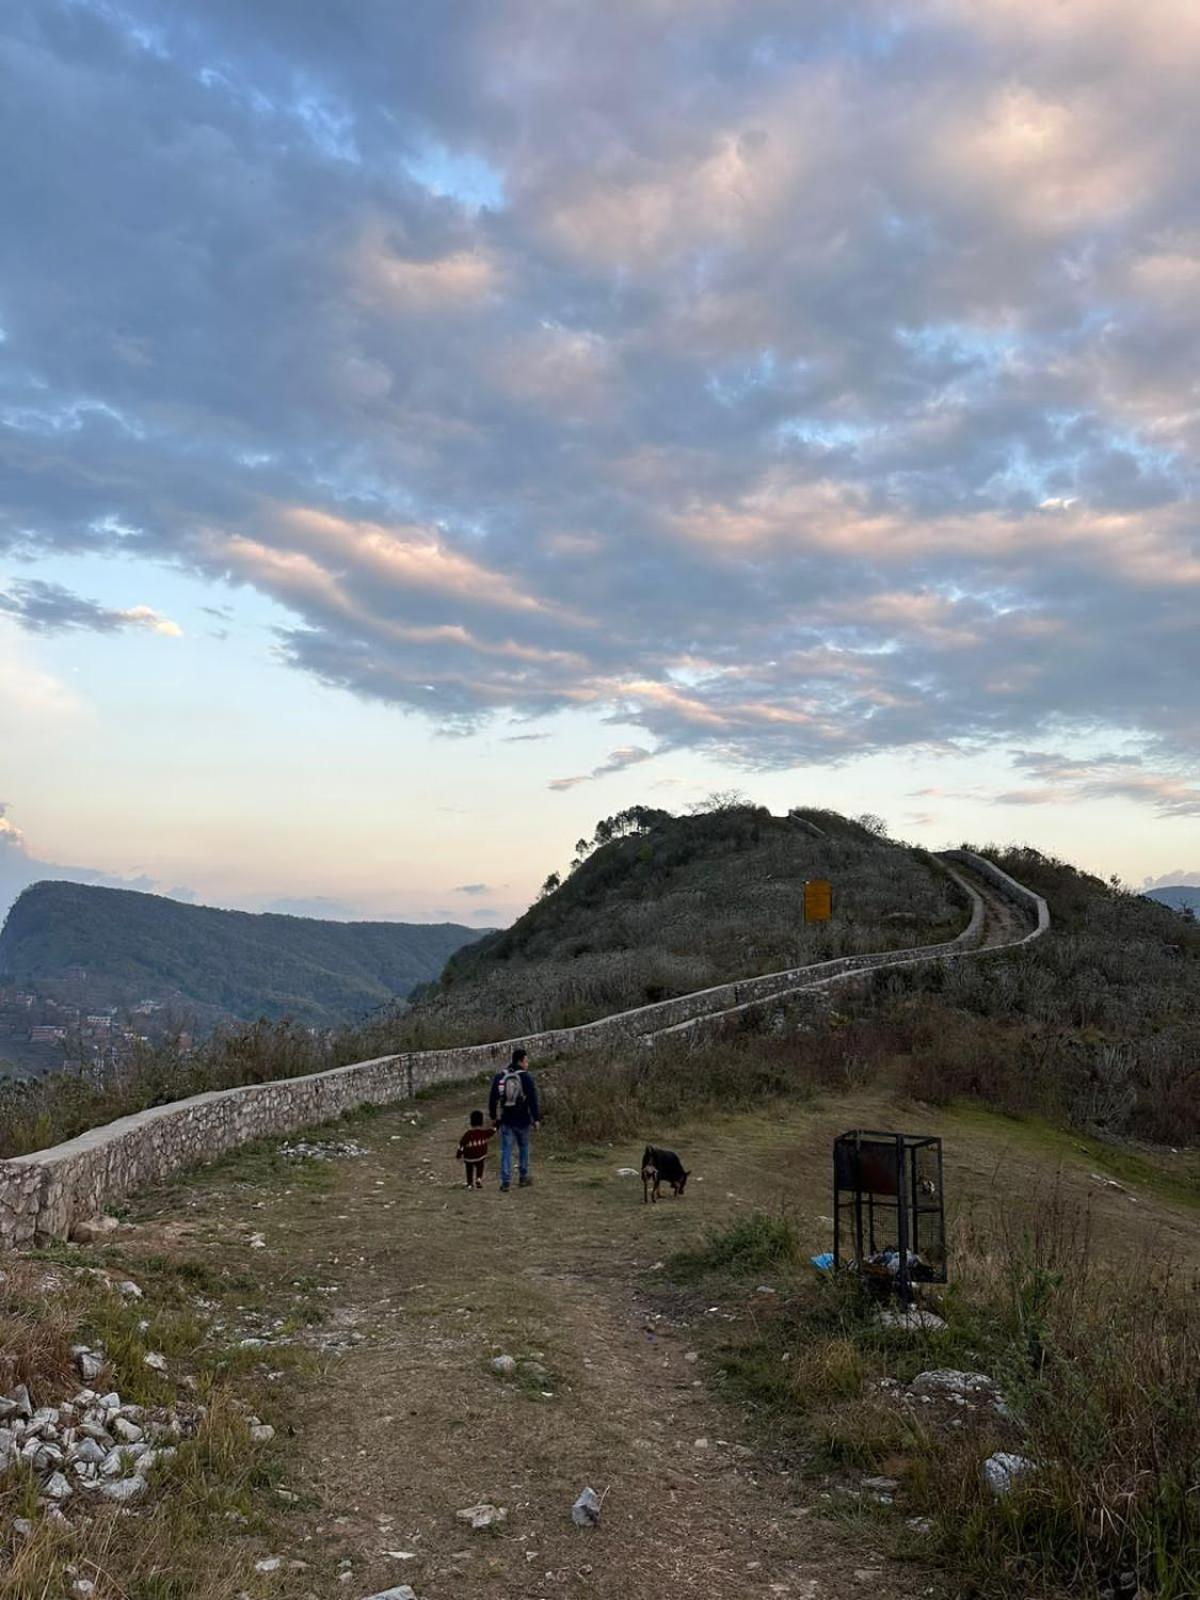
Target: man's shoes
<point x="504" y="1188"/>
<point x="525" y="1183"/>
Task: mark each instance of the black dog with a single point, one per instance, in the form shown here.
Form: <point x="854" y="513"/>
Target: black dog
<point x="661" y="1166"/>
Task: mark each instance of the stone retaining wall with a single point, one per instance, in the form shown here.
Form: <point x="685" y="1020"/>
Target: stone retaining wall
<point x="43" y="1194"/>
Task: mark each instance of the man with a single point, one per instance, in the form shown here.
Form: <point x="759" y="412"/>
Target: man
<point x="513" y="1104"/>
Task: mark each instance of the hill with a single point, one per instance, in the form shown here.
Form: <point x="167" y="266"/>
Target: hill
<point x="657" y="905"/>
<point x="1180" y="897"/>
<point x="117" y="947"/>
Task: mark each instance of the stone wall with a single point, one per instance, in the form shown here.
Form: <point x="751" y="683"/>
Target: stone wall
<point x="43" y="1194"/>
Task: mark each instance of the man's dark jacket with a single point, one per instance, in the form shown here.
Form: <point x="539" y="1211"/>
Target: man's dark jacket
<point x="519" y="1116"/>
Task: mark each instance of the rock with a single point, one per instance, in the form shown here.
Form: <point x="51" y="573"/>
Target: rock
<point x="17" y="1403"/>
<point x="269" y="1564"/>
<point x="115" y="1462"/>
<point x="1001" y="1471"/>
<point x="945" y="1381"/>
<point x="88" y="1364"/>
<point x="765" y="1288"/>
<point x="262" y="1432"/>
<point x="22" y="1527"/>
<point x="127" y="1431"/>
<point x="505" y="1366"/>
<point x="8" y="1448"/>
<point x="90" y="1229"/>
<point x="125" y="1488"/>
<point x="153" y="1359"/>
<point x="911" y="1319"/>
<point x="400" y="1592"/>
<point x="881" y="1485"/>
<point x="57" y="1487"/>
<point x="585" y="1513"/>
<point x="691" y="1355"/>
<point x="82" y="1586"/>
<point x="483" y="1515"/>
<point x="922" y="1525"/>
<point x="129" y="1289"/>
<point x="627" y="1172"/>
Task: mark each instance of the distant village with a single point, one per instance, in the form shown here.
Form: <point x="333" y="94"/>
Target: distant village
<point x="41" y="1031"/>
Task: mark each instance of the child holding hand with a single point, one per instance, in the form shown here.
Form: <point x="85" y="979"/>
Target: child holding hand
<point x="473" y="1149"/>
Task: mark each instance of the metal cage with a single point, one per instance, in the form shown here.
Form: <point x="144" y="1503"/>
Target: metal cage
<point x="889" y="1210"/>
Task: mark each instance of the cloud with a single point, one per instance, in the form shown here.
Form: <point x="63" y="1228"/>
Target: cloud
<point x="30" y="696"/>
<point x="49" y="608"/>
<point x="1172" y="879"/>
<point x="19" y="868"/>
<point x="1059" y="779"/>
<point x="847" y="406"/>
<point x="629" y="755"/>
<point x="473" y="888"/>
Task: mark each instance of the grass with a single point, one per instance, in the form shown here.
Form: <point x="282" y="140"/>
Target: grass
<point x="1099" y="1374"/>
<point x="751" y="1248"/>
<point x="169" y="1550"/>
<point x="605" y="1096"/>
<point x="178" y="1544"/>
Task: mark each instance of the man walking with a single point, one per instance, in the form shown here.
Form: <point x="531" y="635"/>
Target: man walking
<point x="513" y="1103"/>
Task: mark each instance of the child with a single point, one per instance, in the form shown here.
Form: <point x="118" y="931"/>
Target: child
<point x="473" y="1148"/>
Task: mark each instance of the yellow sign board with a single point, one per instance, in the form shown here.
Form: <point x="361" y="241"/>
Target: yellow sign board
<point x="818" y="900"/>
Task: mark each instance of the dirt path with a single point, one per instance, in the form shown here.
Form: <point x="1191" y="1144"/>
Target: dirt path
<point x="413" y="1425"/>
<point x="421" y="1283"/>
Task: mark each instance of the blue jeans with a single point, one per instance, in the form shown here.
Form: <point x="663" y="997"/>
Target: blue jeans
<point x="507" y="1135"/>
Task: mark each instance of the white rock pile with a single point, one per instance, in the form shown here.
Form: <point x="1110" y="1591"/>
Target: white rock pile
<point x="93" y="1443"/>
<point x="321" y="1149"/>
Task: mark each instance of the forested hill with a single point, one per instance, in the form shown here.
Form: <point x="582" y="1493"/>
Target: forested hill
<point x="117" y="947"/>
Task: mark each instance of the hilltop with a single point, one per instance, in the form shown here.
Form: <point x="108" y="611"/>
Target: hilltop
<point x="118" y="947"/>
<point x="657" y="905"/>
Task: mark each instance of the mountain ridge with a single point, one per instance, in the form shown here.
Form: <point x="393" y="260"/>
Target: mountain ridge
<point x="1179" y="896"/>
<point x="121" y="946"/>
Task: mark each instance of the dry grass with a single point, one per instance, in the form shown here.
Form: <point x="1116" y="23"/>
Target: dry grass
<point x="39" y="1316"/>
<point x="1099" y="1370"/>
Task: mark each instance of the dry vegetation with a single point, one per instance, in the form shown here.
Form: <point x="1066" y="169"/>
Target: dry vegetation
<point x="172" y="1546"/>
<point x="1096" y="1027"/>
<point x="664" y="905"/>
<point x="1097" y="1365"/>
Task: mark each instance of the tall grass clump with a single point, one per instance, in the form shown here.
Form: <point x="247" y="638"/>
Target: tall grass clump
<point x="1100" y="1366"/>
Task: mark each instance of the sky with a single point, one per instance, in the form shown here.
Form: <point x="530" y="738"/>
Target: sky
<point x="427" y="429"/>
